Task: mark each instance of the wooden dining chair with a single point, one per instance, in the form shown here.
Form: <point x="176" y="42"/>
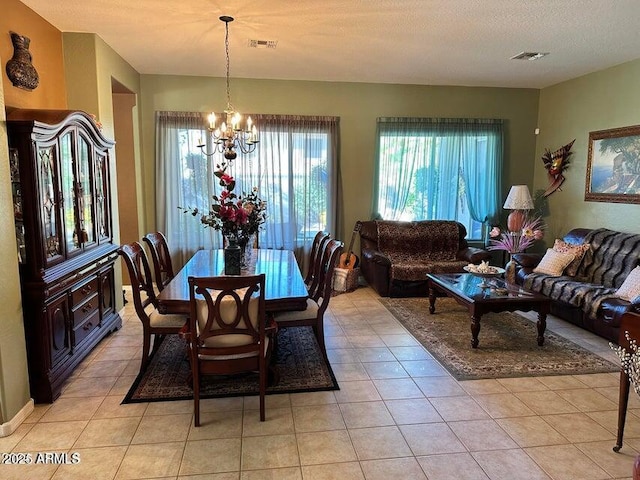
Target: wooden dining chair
<point x="228" y="331"/>
<point x="319" y="297"/>
<point x="317" y="247"/>
<point x="153" y="322"/>
<point x="161" y="258"/>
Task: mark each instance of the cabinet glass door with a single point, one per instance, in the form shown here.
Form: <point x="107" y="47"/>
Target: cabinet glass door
<point x="67" y="185"/>
<point x="16" y="190"/>
<point x="49" y="205"/>
<point x="85" y="193"/>
<point x="103" y="224"/>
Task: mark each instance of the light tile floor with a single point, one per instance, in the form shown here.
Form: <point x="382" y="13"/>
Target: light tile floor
<point x="398" y="414"/>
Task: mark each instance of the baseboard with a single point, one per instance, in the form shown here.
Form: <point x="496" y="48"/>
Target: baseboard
<point x="12" y="425"/>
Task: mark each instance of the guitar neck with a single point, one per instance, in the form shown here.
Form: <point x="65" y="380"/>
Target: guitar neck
<point x="356" y="229"/>
<point x="353" y="238"/>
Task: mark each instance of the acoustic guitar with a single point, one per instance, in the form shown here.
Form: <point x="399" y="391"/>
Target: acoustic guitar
<point x="350" y="260"/>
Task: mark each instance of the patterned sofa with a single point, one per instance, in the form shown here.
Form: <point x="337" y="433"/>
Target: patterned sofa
<point x="395" y="256"/>
<point x="588" y="299"/>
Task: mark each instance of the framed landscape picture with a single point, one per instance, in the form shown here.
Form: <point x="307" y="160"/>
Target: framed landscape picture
<point x="613" y="166"/>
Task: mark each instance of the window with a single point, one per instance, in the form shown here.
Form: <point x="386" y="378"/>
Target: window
<point x="439" y="169"/>
<point x="294" y="168"/>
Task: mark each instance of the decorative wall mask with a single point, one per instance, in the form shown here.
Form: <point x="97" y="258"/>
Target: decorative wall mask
<point x="19" y="68"/>
<point x="556" y="163"/>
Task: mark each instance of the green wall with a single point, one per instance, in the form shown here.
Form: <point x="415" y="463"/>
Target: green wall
<point x="358" y="105"/>
<point x="598" y="101"/>
<point x="91" y="66"/>
<point x="14" y="380"/>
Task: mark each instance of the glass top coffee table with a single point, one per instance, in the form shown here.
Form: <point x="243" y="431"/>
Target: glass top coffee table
<point x="499" y="296"/>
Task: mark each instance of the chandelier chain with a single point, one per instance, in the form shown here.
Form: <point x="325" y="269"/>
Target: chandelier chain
<point x="226" y="46"/>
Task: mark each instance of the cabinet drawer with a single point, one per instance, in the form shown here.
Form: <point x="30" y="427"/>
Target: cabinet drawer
<point x="86" y="308"/>
<point x="79" y="294"/>
<point x="85" y="328"/>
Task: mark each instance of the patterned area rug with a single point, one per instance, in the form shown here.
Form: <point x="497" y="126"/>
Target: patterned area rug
<point x="298" y="359"/>
<point x="507" y="348"/>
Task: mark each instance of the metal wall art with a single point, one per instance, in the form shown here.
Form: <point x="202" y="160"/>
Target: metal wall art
<point x="556" y="163"/>
<point x="19" y="68"/>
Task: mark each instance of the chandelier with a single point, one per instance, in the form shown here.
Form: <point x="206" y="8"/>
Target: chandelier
<point x="233" y="134"/>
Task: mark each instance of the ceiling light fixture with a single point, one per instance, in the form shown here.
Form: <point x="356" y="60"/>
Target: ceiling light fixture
<point x="529" y="56"/>
<point x="232" y="134"/>
<point x="262" y="43"/>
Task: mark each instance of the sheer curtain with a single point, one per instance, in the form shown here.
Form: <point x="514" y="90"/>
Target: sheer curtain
<point x="295" y="168"/>
<point x="439" y="168"/>
<point x="184" y="178"/>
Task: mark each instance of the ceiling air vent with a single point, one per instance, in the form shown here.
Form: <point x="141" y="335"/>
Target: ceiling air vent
<point x="529" y="55"/>
<point x="263" y="43"/>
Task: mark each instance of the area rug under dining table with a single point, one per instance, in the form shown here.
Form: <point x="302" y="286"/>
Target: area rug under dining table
<point x="507" y="348"/>
<point x="298" y="359"/>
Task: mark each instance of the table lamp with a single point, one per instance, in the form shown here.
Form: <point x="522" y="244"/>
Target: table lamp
<point x="518" y="200"/>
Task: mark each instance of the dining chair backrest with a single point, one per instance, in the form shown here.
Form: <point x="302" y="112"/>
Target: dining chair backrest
<point x="140" y="274"/>
<point x="319" y="296"/>
<point x="161" y="258"/>
<point x="315" y="255"/>
<point x="227" y="314"/>
<point x="329" y="261"/>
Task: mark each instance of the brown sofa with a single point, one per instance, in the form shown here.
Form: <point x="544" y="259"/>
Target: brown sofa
<point x="395" y="256"/>
<point x="588" y="298"/>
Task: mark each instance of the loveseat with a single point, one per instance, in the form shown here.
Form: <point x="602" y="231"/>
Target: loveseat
<point x="395" y="256"/>
<point x="588" y="298"/>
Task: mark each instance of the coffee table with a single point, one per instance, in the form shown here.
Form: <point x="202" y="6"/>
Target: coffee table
<point x="499" y="297"/>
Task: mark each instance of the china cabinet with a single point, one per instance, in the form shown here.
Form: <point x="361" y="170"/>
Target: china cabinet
<point x="59" y="164"/>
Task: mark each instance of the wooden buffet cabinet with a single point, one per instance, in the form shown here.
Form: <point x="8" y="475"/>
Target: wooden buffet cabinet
<point x="62" y="207"/>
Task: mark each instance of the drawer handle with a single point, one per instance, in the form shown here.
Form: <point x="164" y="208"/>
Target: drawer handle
<point x="88" y="307"/>
<point x="86" y="289"/>
<point x="87" y="326"/>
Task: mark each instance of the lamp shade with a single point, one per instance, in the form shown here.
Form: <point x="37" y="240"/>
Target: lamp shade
<point x="519" y="198"/>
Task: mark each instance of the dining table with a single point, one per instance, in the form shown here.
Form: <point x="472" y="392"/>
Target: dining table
<point x="285" y="289"/>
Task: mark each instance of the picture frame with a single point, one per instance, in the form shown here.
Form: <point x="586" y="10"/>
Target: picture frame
<point x="613" y="166"/>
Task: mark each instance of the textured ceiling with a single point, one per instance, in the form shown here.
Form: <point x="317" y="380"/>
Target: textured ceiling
<point x="427" y="42"/>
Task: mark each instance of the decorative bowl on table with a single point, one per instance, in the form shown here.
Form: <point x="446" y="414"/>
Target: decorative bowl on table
<point x="484" y="271"/>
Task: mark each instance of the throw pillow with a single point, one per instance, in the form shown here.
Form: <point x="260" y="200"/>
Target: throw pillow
<point x="577" y="251"/>
<point x="630" y="288"/>
<point x="553" y="263"/>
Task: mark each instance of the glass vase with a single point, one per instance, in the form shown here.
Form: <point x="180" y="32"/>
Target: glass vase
<point x="510" y="270"/>
<point x="246" y="243"/>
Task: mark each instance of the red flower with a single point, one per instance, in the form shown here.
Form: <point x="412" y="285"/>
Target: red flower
<point x="241" y="216"/>
<point x="226" y="179"/>
<point x="227" y="212"/>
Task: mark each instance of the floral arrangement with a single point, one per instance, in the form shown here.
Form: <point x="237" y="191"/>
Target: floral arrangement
<point x="629" y="360"/>
<point x="234" y="215"/>
<point x="517" y="242"/>
<point x="256" y="209"/>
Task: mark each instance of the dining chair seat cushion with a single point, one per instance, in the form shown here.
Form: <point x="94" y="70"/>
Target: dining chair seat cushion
<point x="157" y="319"/>
<point x="291" y="316"/>
<point x="235" y="356"/>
